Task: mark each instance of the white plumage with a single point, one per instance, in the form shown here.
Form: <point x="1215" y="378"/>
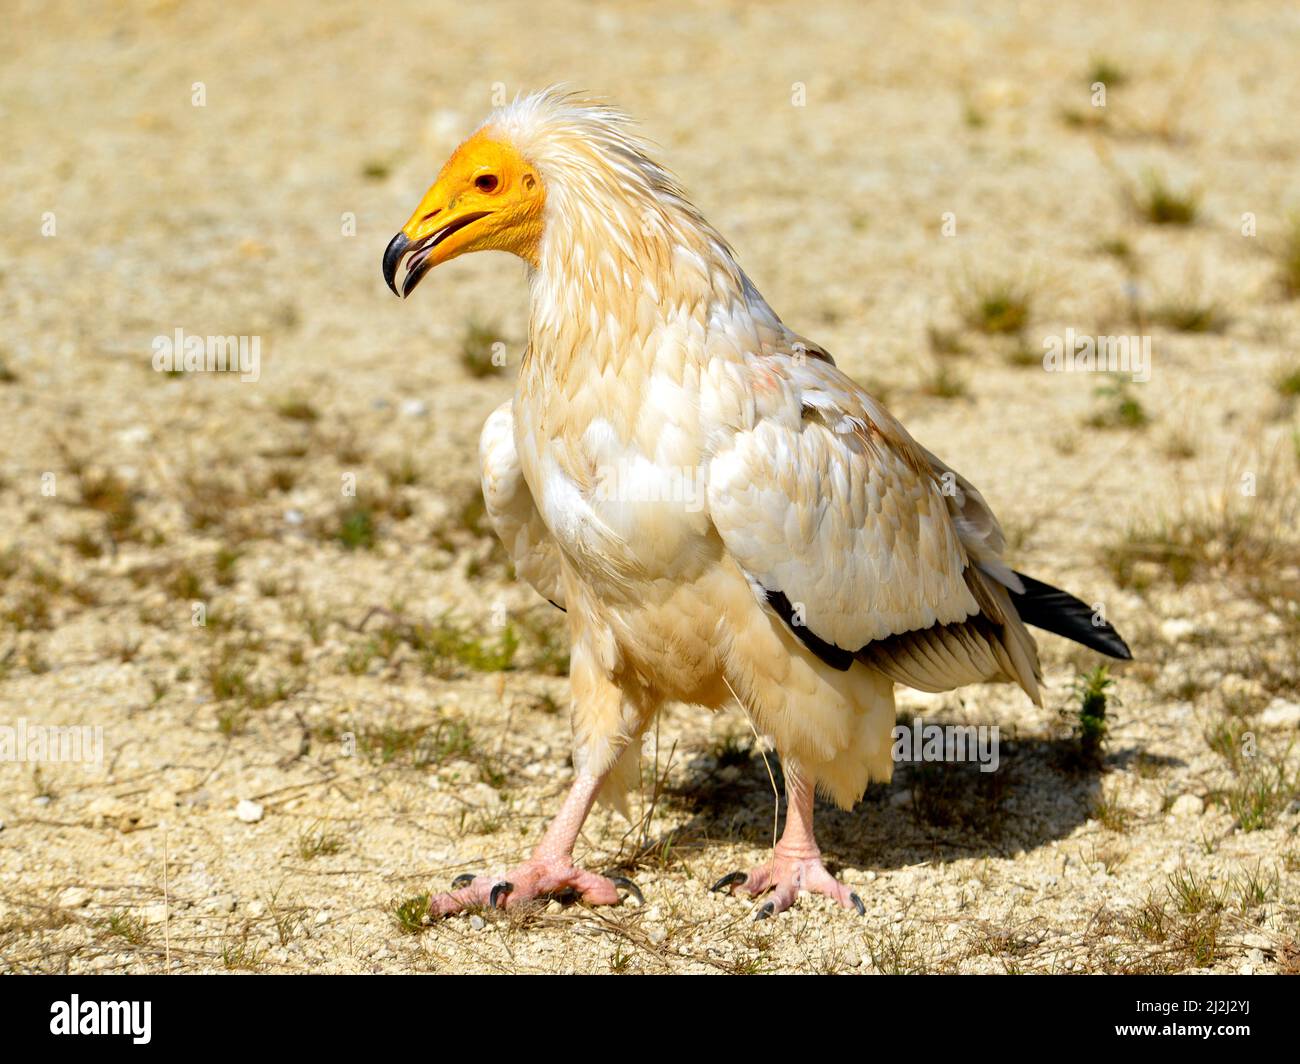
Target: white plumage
<point x="723" y="514"/>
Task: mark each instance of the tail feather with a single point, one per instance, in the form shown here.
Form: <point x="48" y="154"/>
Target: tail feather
<point x="1059" y="612"/>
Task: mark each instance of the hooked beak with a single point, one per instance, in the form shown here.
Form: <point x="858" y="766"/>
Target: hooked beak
<point x="393" y="255"/>
<point x="421" y="250"/>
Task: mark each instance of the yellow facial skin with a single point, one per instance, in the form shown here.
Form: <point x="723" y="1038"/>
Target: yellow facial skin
<point x="487" y="198"/>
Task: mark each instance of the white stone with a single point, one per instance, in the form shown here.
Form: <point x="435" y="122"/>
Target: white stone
<point x="1280" y="714"/>
<point x="74" y="898"/>
<point x="248" y="811"/>
<point x="1176" y="629"/>
<point x="1187" y="805"/>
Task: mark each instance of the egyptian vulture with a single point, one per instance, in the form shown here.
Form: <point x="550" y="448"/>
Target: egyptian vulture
<point x="723" y="514"/>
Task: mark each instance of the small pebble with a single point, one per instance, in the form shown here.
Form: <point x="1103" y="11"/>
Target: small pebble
<point x="477" y="922"/>
<point x="1281" y="714"/>
<point x="248" y="811"/>
<point x="74" y="898"/>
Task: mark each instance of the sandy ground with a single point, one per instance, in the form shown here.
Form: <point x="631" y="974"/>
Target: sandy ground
<point x="390" y="704"/>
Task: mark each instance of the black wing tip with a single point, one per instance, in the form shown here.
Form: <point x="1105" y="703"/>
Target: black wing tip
<point x="1060" y="613"/>
<point x="1111" y="643"/>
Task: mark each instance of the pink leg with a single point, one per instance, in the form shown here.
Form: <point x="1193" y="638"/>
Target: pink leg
<point x="550" y="870"/>
<point x="796" y="863"/>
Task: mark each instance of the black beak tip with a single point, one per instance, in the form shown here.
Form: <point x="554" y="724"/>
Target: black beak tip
<point x="393" y="258"/>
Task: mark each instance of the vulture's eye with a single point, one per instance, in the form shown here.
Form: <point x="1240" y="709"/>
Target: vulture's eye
<point x="486" y="182"/>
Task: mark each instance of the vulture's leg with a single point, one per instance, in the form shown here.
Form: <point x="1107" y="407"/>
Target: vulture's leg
<point x="549" y="871"/>
<point x="796" y="863"/>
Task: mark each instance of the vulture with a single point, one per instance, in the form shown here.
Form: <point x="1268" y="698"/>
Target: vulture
<point x="725" y="517"/>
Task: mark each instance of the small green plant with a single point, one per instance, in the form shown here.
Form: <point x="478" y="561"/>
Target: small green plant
<point x="225" y="562"/>
<point x="238" y="954"/>
<point x="1090" y="724"/>
<point x="1192" y="894"/>
<point x="411" y="914"/>
<point x="1189" y="314"/>
<point x="894" y="951"/>
<point x="1160" y="204"/>
<point x="1150" y="920"/>
<point x="945" y="341"/>
<point x="1117" y="247"/>
<point x="942" y="382"/>
<point x="1259" y="797"/>
<point x="315" y="841"/>
<point x="445" y="645"/>
<point x="1120" y="409"/>
<point x="1108" y="72"/>
<point x="296" y="409"/>
<point x="1198" y="939"/>
<point x="1085" y="117"/>
<point x="108" y="494"/>
<point x="124" y="925"/>
<point x="1225" y="737"/>
<point x="479" y="350"/>
<point x="620" y="961"/>
<point x="87" y="545"/>
<point x="1110" y="814"/>
<point x="997" y="306"/>
<point x="1288" y="259"/>
<point x="1255" y="887"/>
<point x="356" y="528"/>
<point x="1286" y="381"/>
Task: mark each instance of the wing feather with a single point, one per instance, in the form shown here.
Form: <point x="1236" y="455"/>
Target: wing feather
<point x="863" y="544"/>
<point x="512" y="511"/>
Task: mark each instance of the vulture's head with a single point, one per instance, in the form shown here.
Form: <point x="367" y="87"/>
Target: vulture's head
<point x="488" y="197"/>
<point x="551" y="177"/>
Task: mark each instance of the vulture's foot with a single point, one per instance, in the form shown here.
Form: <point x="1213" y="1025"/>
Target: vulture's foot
<point x="786" y="877"/>
<point x="535" y="878"/>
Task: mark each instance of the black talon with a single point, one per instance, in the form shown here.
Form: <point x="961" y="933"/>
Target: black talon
<point x="500" y="890"/>
<point x="765" y="912"/>
<point x="857" y="904"/>
<point x="731" y="879"/>
<point x="462" y="880"/>
<point x="629" y="886"/>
